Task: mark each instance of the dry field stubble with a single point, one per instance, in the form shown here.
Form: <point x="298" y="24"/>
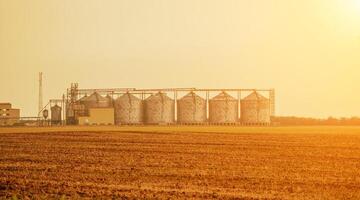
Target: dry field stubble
<point x="180" y="162"/>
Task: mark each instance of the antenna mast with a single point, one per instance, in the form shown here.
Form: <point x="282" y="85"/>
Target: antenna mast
<point x="40" y="94"/>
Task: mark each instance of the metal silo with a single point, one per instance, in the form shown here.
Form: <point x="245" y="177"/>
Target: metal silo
<point x="56" y="114"/>
<point x="223" y="109"/>
<point x="159" y="109"/>
<point x="129" y="110"/>
<point x="95" y="100"/>
<point x="255" y="109"/>
<point x="191" y="109"/>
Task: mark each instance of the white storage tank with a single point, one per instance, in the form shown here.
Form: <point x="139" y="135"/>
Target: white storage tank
<point x="191" y="109"/>
<point x="223" y="109"/>
<point x="129" y="110"/>
<point x="255" y="109"/>
<point x="159" y="109"/>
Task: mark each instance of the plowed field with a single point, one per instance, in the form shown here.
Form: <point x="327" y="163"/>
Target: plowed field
<point x="180" y="162"/>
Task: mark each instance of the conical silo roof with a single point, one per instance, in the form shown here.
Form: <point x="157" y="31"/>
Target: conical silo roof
<point x="223" y="96"/>
<point x="127" y="97"/>
<point x="95" y="97"/>
<point x="56" y="106"/>
<point x="255" y="96"/>
<point x="159" y="95"/>
<point x="95" y="100"/>
<point x="191" y="95"/>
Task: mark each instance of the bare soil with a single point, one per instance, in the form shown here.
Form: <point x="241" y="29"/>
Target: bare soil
<point x="193" y="163"/>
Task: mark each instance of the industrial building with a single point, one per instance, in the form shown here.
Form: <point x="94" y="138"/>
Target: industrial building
<point x="8" y="115"/>
<point x="167" y="106"/>
<point x="98" y="116"/>
<point x="94" y="110"/>
<point x="164" y="106"/>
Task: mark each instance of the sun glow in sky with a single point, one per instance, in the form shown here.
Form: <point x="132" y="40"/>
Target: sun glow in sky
<point x="356" y="4"/>
<point x="308" y="50"/>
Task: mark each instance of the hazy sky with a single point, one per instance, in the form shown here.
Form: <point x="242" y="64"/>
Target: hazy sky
<point x="308" y="50"/>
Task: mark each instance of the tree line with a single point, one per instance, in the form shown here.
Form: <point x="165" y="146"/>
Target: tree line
<point x="314" y="121"/>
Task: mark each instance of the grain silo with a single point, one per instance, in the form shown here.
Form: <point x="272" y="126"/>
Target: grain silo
<point x="223" y="109"/>
<point x="255" y="109"/>
<point x="191" y="109"/>
<point x="129" y="110"/>
<point x="159" y="109"/>
<point x="95" y="100"/>
<point x="56" y="114"/>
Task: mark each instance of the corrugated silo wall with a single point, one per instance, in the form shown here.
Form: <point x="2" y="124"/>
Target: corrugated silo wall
<point x="129" y="110"/>
<point x="191" y="110"/>
<point x="159" y="110"/>
<point x="223" y="111"/>
<point x="56" y="114"/>
<point x="264" y="112"/>
<point x="255" y="112"/>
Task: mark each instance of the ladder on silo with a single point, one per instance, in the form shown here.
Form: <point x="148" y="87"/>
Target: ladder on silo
<point x="272" y="102"/>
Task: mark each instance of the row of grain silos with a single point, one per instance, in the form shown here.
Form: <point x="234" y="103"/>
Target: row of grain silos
<point x="223" y="109"/>
<point x="191" y="109"/>
<point x="157" y="109"/>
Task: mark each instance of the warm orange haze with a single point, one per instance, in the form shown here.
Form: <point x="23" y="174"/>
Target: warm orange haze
<point x="179" y="99"/>
<point x="307" y="50"/>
